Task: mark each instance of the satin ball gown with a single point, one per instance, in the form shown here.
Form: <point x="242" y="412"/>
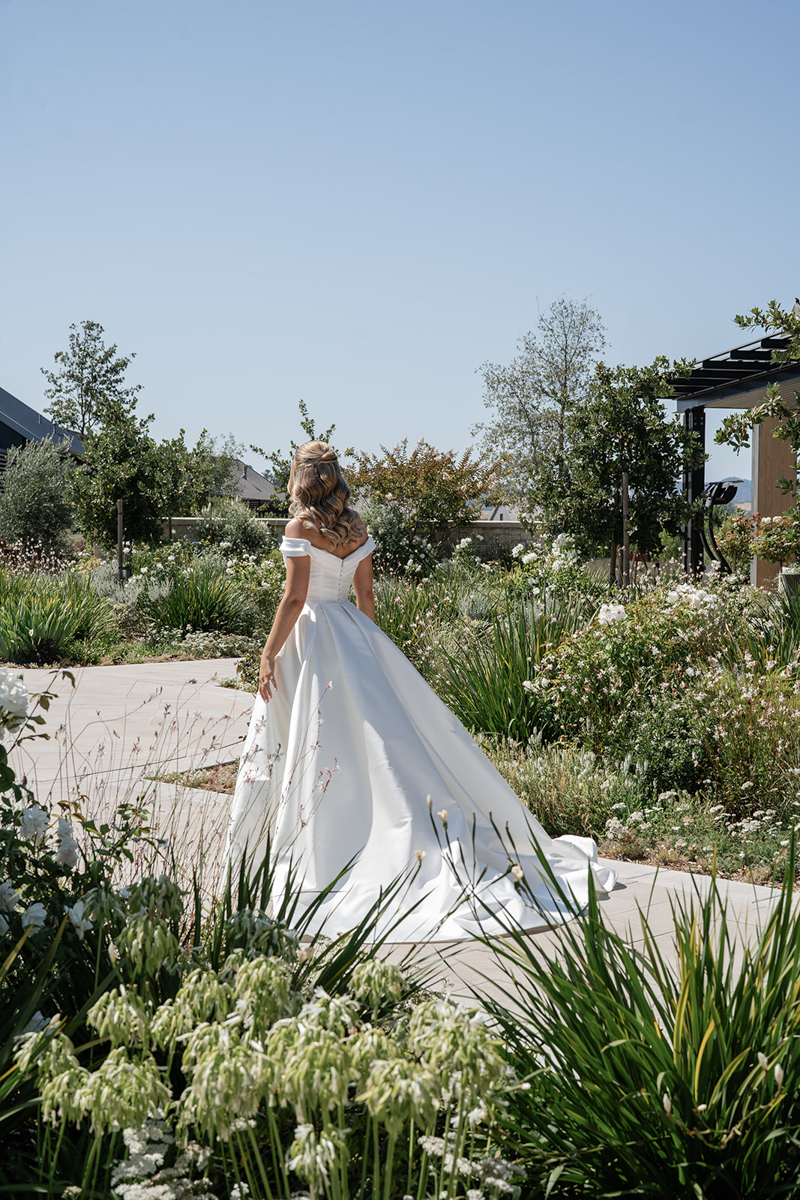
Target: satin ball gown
<point x="354" y="758"/>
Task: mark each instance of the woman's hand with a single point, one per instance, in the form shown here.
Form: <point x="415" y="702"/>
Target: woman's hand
<point x="266" y="678"/>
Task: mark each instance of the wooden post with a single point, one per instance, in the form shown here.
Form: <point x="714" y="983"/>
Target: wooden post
<point x="120" y="530"/>
<point x="626" y="541"/>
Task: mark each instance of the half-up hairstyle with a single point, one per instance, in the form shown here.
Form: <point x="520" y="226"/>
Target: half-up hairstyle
<point x="320" y="494"/>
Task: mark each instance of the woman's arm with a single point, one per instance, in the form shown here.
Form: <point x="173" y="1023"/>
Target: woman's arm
<point x="362" y="585"/>
<point x="289" y="609"/>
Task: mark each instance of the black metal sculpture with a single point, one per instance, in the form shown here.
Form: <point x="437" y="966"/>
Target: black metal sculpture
<point x="716" y="494"/>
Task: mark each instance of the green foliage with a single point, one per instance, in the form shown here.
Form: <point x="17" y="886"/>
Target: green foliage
<point x="735" y="539"/>
<point x="229" y="524"/>
<point x="488" y="684"/>
<point x="436" y="489"/>
<point x="778" y="538"/>
<point x="120" y="463"/>
<point x="657" y="1082"/>
<point x="89" y="390"/>
<point x="567" y="787"/>
<point x="201" y="597"/>
<point x="529" y="398"/>
<point x="42" y="618"/>
<point x="593" y="678"/>
<point x="667" y="739"/>
<point x="154" y="480"/>
<point x="282" y="463"/>
<point x="620" y="435"/>
<point x="33" y="504"/>
<point x="400" y="549"/>
<point x="736" y="430"/>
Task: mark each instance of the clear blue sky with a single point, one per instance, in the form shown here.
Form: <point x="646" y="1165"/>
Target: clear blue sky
<point x="357" y="203"/>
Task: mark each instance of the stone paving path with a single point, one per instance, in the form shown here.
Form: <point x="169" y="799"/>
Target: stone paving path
<point x="120" y="725"/>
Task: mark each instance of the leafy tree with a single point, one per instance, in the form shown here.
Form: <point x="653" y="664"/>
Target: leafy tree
<point x="436" y="488"/>
<point x="736" y="430"/>
<point x="531" y="397"/>
<point x="617" y="479"/>
<point x="154" y="480"/>
<point x="281" y="464"/>
<point x="120" y="463"/>
<point x="33" y="505"/>
<point x="89" y="388"/>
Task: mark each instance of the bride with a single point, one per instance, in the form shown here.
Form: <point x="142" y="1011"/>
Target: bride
<point x="352" y="759"/>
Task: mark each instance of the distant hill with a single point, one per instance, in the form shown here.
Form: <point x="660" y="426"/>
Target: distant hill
<point x="744" y="491"/>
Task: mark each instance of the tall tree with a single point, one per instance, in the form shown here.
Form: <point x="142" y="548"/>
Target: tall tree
<point x="89" y="387"/>
<point x="530" y="398"/>
<point x="736" y="430"/>
<point x="619" y="475"/>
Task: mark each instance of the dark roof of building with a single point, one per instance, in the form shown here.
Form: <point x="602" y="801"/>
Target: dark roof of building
<point x="31" y="425"/>
<point x="251" y="486"/>
<point x="726" y="380"/>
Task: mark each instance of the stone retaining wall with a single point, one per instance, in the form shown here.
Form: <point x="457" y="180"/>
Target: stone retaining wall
<point x="496" y="535"/>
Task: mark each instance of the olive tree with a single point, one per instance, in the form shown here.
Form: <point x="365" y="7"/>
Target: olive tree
<point x="33" y="504"/>
<point x="529" y="399"/>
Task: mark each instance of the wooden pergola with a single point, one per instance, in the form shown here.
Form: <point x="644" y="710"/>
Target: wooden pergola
<point x="738" y="378"/>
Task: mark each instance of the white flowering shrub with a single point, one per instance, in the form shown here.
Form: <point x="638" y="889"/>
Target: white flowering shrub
<point x="400" y="549"/>
<point x="552" y="570"/>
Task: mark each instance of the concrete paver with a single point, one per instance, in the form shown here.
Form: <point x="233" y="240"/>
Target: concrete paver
<point x="121" y="725"/>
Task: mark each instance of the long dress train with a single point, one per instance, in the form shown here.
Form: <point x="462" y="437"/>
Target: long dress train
<point x="355" y="757"/>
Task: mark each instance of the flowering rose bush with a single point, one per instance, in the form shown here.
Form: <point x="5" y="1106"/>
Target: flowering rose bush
<point x="778" y="538"/>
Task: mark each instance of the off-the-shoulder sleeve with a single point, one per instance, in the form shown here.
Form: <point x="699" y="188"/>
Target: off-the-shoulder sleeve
<point x="295" y="547"/>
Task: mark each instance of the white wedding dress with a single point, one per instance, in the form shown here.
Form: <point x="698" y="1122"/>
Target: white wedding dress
<point x="355" y="757"/>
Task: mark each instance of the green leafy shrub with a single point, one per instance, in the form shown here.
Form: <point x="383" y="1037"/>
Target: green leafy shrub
<point x="750" y="725"/>
<point x="736" y="540"/>
<point x="435" y="489"/>
<point x="33" y="503"/>
<point x="230" y="525"/>
<point x="593" y="679"/>
<point x="400" y="547"/>
<point x="567" y="788"/>
<point x="666" y="736"/>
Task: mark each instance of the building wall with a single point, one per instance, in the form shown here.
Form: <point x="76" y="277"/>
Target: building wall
<point x="9" y="437"/>
<point x="771" y="459"/>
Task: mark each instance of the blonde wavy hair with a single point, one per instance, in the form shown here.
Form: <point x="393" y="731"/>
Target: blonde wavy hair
<point x="320" y="494"/>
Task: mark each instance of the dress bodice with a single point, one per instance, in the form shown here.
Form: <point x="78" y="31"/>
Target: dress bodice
<point x="331" y="577"/>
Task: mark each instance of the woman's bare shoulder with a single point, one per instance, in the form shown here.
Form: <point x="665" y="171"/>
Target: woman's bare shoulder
<point x="296" y="529"/>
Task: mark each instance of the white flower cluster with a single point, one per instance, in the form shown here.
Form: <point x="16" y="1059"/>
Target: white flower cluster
<point x="562" y="553"/>
<point x="695" y="597"/>
<point x="13" y="701"/>
<point x="611" y="613"/>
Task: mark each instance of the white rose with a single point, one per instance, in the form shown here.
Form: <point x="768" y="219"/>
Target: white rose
<point x="34" y="824"/>
<point x="611" y="613"/>
<point x="67" y="851"/>
<point x="9" y="897"/>
<point x="13" y="700"/>
<point x="34" y="916"/>
<point x="79" y="923"/>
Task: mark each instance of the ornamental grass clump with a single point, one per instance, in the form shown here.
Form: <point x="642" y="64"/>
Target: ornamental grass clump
<point x="653" y="1076"/>
<point x="43" y="617"/>
<point x="489" y="689"/>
